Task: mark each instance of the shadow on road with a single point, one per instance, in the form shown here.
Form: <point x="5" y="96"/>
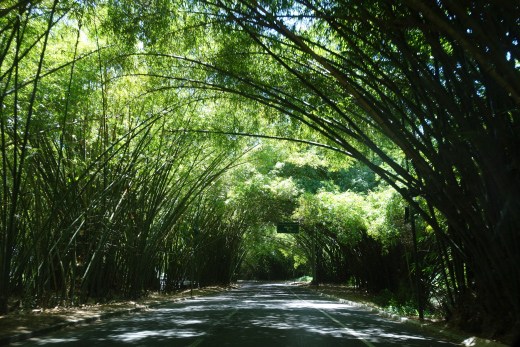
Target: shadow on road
<point x="257" y="314"/>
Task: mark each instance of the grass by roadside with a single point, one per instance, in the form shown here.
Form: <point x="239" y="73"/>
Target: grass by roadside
<point x="19" y="322"/>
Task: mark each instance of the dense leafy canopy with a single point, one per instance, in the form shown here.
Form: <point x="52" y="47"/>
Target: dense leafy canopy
<point x="137" y="146"/>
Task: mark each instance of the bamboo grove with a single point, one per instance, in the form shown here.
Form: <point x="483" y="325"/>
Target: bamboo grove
<point x="123" y="125"/>
<point x="97" y="195"/>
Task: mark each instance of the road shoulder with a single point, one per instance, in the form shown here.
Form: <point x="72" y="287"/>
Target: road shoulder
<point x="22" y="326"/>
<point x="457" y="337"/>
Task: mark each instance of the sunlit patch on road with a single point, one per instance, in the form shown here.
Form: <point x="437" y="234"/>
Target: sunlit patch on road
<point x="257" y="314"/>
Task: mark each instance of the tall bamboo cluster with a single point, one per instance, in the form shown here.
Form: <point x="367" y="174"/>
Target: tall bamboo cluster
<point x="430" y="89"/>
<point x="425" y="93"/>
<point x="97" y="198"/>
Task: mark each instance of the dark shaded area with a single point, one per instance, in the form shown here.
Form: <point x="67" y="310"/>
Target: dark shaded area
<point x="272" y="266"/>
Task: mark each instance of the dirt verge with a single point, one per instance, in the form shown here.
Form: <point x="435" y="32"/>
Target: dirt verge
<point x="23" y="322"/>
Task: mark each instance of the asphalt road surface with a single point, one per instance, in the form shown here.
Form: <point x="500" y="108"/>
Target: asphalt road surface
<point x="257" y="314"/>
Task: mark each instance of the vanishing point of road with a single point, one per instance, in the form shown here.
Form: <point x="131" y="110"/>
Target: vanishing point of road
<point x="256" y="314"/>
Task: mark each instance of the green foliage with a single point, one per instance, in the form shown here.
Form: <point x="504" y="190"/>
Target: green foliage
<point x="402" y="303"/>
<point x="116" y="117"/>
<point x="385" y="214"/>
<point x="342" y="214"/>
<point x="270" y="199"/>
<point x="271" y="256"/>
<point x="313" y="171"/>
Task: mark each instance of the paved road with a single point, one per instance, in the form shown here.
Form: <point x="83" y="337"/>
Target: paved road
<point x="257" y="314"/>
